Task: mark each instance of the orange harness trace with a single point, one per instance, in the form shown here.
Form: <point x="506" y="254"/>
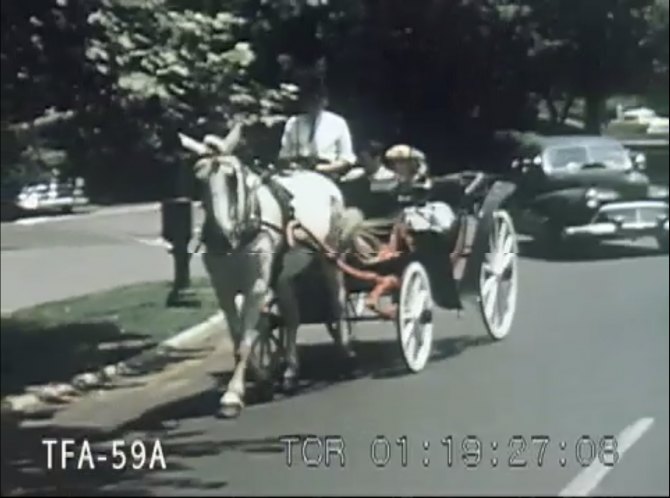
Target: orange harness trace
<point x="400" y="242"/>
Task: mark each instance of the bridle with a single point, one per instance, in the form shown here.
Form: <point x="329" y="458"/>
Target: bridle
<point x="248" y="222"/>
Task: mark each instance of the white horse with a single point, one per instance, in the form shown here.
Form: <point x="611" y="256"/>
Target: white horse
<point x="247" y="221"/>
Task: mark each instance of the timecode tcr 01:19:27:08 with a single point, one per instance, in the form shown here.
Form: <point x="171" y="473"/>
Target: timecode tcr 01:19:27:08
<point x="515" y="452"/>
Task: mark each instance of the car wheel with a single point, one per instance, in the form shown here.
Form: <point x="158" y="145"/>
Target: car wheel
<point x="67" y="209"/>
<point x="662" y="241"/>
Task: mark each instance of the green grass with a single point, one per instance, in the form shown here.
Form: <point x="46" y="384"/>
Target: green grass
<point x="54" y="341"/>
<point x="136" y="308"/>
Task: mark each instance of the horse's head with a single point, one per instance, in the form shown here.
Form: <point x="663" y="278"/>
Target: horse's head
<point x="226" y="184"/>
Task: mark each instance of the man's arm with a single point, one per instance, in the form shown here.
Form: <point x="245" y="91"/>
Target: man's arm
<point x="346" y="157"/>
<point x="289" y="147"/>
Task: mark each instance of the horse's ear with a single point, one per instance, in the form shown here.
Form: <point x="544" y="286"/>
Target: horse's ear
<point x="232" y="139"/>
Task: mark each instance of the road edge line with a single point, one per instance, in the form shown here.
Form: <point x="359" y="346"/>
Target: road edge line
<point x="590" y="477"/>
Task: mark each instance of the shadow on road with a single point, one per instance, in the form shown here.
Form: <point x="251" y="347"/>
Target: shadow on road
<point x="377" y="360"/>
<point x="33" y="354"/>
<point x="24" y="455"/>
<point x="320" y="369"/>
<point x="577" y="253"/>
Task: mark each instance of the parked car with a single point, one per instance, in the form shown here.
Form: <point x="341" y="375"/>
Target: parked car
<point x="48" y="193"/>
<point x="587" y="188"/>
<point x="640" y="120"/>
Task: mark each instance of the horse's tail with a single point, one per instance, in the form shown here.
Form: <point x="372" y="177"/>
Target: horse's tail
<point x="360" y="236"/>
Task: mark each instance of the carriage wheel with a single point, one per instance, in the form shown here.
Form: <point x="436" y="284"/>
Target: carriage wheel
<point x="415" y="320"/>
<point x="498" y="276"/>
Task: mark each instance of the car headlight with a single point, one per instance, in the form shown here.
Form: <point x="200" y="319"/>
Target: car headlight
<point x="592" y="203"/>
<point x="658" y="192"/>
<point x="601" y="195"/>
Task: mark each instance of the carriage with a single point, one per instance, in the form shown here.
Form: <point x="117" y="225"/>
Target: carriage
<point x="466" y="264"/>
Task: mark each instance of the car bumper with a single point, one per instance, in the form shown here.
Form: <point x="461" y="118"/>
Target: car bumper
<point x="60" y="202"/>
<point x="624" y="220"/>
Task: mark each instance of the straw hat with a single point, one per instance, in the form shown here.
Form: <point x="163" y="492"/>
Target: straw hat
<point x="402" y="154"/>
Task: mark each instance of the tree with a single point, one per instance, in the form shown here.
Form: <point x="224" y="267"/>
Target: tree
<point x="592" y="50"/>
<point x="44" y="83"/>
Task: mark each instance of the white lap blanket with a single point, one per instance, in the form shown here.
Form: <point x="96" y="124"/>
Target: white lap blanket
<point x="434" y="216"/>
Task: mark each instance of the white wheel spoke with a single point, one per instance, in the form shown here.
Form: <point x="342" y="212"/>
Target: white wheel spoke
<point x="419" y="304"/>
<point x="503" y="297"/>
<point x="508" y="245"/>
<point x="408" y="334"/>
<point x="490" y="299"/>
<point x="501" y="302"/>
<point x="489" y="284"/>
<point x="418" y="340"/>
<point x="495" y="227"/>
<point x="487" y="264"/>
<point x="506" y="261"/>
<point x="503" y="235"/>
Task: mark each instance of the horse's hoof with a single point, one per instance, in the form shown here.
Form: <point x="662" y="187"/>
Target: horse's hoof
<point x="230" y="406"/>
<point x="230" y="411"/>
<point x="289" y="384"/>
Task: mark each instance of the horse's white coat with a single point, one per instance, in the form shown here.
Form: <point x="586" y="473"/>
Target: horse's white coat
<point x="232" y="192"/>
<point x="315" y="197"/>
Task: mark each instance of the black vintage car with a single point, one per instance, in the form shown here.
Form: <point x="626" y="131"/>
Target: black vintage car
<point x="585" y="188"/>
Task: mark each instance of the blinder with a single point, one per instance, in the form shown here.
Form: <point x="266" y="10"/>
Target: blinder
<point x="248" y="218"/>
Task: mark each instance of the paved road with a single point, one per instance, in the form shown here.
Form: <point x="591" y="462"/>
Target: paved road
<point x="50" y="258"/>
<point x="588" y="357"/>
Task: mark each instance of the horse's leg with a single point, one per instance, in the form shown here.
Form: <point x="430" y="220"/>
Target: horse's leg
<point x="219" y="269"/>
<point x="258" y="268"/>
<point x="336" y="292"/>
<point x="295" y="261"/>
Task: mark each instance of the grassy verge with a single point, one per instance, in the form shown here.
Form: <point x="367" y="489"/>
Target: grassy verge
<point x="55" y="341"/>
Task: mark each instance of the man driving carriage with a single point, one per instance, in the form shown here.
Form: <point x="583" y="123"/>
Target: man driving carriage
<point x="320" y="139"/>
<point x="317" y="137"/>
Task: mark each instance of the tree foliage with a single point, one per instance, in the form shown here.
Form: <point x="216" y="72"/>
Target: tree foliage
<point x="110" y="82"/>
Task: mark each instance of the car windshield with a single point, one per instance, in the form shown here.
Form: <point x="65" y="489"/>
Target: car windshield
<point x="563" y="157"/>
<point x="610" y="155"/>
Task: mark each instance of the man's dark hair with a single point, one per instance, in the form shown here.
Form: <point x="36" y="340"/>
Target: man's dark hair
<point x="313" y="89"/>
<point x="375" y="148"/>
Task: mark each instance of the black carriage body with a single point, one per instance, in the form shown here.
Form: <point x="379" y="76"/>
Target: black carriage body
<point x="473" y="221"/>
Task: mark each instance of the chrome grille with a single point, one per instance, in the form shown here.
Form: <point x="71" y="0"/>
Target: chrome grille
<point x="632" y="212"/>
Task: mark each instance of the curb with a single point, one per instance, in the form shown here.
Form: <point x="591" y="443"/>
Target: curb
<point x="64" y="393"/>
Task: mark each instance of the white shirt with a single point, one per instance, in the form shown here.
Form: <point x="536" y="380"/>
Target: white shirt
<point x="332" y="139"/>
